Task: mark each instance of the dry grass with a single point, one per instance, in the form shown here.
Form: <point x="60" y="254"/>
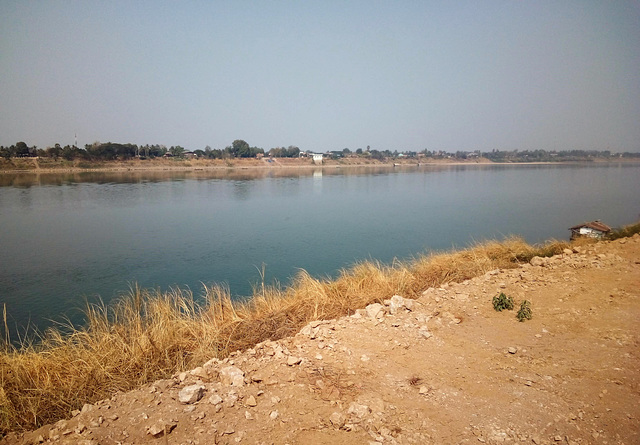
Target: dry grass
<point x="148" y="335"/>
<point x="625" y="231"/>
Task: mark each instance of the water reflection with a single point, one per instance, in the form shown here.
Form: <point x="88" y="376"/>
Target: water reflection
<point x="30" y="179"/>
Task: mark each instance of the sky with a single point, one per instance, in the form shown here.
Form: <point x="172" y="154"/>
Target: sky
<point x="323" y="75"/>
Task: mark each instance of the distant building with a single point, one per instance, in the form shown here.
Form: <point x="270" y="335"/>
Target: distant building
<point x="189" y="155"/>
<point x="593" y="229"/>
<point x="317" y="158"/>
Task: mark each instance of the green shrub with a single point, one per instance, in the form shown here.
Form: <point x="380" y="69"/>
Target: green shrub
<point x="502" y="302"/>
<point x="524" y="313"/>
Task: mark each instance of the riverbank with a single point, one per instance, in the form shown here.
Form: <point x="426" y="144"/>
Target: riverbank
<point x="437" y="364"/>
<point x="48" y="165"/>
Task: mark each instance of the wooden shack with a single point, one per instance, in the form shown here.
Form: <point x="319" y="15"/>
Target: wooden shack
<point x="593" y="229"/>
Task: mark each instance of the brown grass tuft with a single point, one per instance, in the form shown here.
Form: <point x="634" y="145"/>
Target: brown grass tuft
<point x="147" y="334"/>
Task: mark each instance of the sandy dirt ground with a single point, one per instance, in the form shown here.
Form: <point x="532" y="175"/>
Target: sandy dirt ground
<point x="443" y="369"/>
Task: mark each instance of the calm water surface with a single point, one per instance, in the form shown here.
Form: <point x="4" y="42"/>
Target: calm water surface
<point x="66" y="237"/>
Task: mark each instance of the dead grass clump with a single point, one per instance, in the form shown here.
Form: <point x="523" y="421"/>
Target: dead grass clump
<point x="414" y="380"/>
<point x="148" y="334"/>
<point x="625" y="231"/>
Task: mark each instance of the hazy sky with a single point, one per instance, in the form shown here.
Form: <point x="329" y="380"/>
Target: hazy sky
<point x="323" y="75"/>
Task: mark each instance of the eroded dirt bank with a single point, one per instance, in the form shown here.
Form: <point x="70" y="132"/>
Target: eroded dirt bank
<point x="443" y="369"/>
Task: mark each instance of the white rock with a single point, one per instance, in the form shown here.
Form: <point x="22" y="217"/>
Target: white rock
<point x="191" y="393"/>
<point x="375" y="310"/>
<point x="358" y="410"/>
<point x="537" y="261"/>
<point x="395" y="304"/>
<point x="215" y="399"/>
<point x="293" y="360"/>
<point x="230" y="375"/>
<point x="200" y="372"/>
<point x="337" y="420"/>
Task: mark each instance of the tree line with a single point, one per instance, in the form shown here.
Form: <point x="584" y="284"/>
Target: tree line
<point x="239" y="148"/>
<point x="111" y="151"/>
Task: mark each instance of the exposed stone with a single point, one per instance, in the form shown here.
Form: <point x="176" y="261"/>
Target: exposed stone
<point x="191" y="393"/>
<point x="230" y="375"/>
<point x="375" y="310"/>
<point x="251" y="401"/>
<point x="291" y="360"/>
<point x="396" y="303"/>
<point x="215" y="399"/>
<point x="159" y="428"/>
<point x="200" y="372"/>
<point x="337" y="420"/>
<point x="358" y="410"/>
<point x="512" y="350"/>
<point x="537" y="261"/>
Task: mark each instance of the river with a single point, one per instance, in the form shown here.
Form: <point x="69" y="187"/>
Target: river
<point x="67" y="237"/>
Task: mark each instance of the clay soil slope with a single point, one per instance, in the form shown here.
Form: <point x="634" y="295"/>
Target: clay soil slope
<point x="444" y="369"/>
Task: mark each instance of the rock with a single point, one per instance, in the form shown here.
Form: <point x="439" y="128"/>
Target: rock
<point x="425" y="333"/>
<point x="396" y="303"/>
<point x="537" y="261"/>
<point x="358" y="410"/>
<point x="291" y="360"/>
<point x="230" y="375"/>
<point x="200" y="372"/>
<point x="375" y="310"/>
<point x="161" y="427"/>
<point x="274" y="415"/>
<point x="215" y="399"/>
<point x="409" y="304"/>
<point x="251" y="401"/>
<point x="337" y="420"/>
<point x="191" y="394"/>
<point x="567" y="251"/>
<point x="231" y="399"/>
<point x="512" y="350"/>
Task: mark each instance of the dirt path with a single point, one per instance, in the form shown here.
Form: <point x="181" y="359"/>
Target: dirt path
<point x="445" y="369"/>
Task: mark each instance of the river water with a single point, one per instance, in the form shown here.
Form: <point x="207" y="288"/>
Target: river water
<point x="67" y="237"/>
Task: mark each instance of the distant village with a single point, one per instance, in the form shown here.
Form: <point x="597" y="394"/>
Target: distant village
<point x="99" y="151"/>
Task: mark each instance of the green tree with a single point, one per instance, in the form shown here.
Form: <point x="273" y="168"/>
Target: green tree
<point x="240" y="149"/>
<point x="22" y="149"/>
<point x="177" y="151"/>
<point x="55" y="151"/>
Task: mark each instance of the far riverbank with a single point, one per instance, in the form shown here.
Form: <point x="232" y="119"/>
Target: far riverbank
<point x="48" y="165"/>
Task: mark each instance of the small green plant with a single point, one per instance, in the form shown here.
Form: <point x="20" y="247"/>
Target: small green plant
<point x="502" y="302"/>
<point x="524" y="313"/>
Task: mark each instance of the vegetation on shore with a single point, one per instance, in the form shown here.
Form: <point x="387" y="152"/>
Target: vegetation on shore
<point x="20" y="156"/>
<point x="148" y="335"/>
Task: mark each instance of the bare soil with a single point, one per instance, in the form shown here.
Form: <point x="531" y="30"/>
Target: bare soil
<point x="444" y="369"/>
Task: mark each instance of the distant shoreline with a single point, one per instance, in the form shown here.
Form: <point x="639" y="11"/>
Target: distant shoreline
<point x="34" y="165"/>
